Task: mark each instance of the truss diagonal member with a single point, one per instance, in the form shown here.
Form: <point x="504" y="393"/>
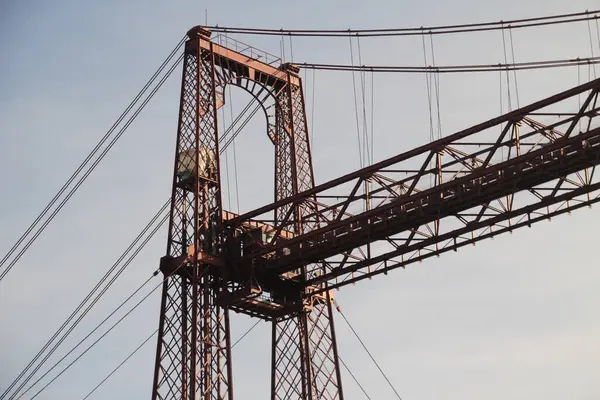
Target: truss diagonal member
<point x="593" y="94"/>
<point x="452" y="241"/>
<point x="521" y="182"/>
<point x="441" y="143"/>
<point x="514" y="175"/>
<point x="508" y="171"/>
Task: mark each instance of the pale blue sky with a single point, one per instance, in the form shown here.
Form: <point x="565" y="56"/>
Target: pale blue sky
<point x="515" y="317"/>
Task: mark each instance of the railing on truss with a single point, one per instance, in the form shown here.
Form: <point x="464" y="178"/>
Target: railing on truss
<point x="247" y="50"/>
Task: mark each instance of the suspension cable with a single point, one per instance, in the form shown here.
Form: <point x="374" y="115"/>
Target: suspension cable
<point x="155" y="273"/>
<point x="591" y="44"/>
<point x="121" y="364"/>
<point x="312" y="113"/>
<point x="428" y="86"/>
<point x="360" y="158"/>
<point x="354" y="378"/>
<point x="368" y="352"/>
<point x="88" y="172"/>
<point x="30" y="376"/>
<point x="366" y="148"/>
<point x="507" y="73"/>
<point x="142" y="345"/>
<point x="165" y="216"/>
<point x="434" y="30"/>
<point x="531" y="65"/>
<point x="89" y="296"/>
<point x="436" y="82"/>
<point x="512" y="50"/>
<point x="235" y="169"/>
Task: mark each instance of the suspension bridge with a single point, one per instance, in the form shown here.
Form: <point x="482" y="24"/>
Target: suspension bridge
<point x="283" y="261"/>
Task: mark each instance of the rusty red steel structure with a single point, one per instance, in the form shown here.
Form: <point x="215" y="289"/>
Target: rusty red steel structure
<point x="282" y="261"/>
<point x="193" y="359"/>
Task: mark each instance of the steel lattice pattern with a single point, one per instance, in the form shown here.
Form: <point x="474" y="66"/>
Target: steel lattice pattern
<point x="314" y="330"/>
<point x="193" y="351"/>
<point x="193" y="354"/>
<point x="174" y="352"/>
<point x="506" y="173"/>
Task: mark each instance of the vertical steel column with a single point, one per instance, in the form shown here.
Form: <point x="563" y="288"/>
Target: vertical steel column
<point x="304" y="360"/>
<point x="193" y="352"/>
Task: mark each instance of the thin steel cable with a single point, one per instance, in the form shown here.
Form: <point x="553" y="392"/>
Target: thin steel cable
<point x="436" y="30"/>
<point x="131" y="258"/>
<point x="512" y="49"/>
<point x="142" y="345"/>
<point x="227" y="180"/>
<point x="531" y="65"/>
<point x="102" y="336"/>
<point x="246" y="333"/>
<point x="428" y="78"/>
<point x="139" y="249"/>
<point x="501" y="110"/>
<point x="283" y="47"/>
<point x="598" y="33"/>
<point x="89" y="157"/>
<point x="291" y="49"/>
<point x="312" y="111"/>
<point x="88" y="297"/>
<point x="235" y="134"/>
<point x="591" y="45"/>
<point x="87" y="336"/>
<point x="354" y="378"/>
<point x="166" y="215"/>
<point x="579" y="95"/>
<point x="235" y="169"/>
<point x="369" y="353"/>
<point x="372" y="117"/>
<point x="507" y="73"/>
<point x="91" y="169"/>
<point x="436" y="81"/>
<point x="428" y="85"/>
<point x="366" y="147"/>
<point x="121" y="364"/>
<point x="355" y="102"/>
<point x="229" y="130"/>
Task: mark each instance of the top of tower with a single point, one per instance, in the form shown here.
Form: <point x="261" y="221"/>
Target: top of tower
<point x="199" y="31"/>
<point x="289" y="67"/>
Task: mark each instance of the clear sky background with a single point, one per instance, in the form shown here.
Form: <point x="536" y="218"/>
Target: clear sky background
<point x="516" y="317"/>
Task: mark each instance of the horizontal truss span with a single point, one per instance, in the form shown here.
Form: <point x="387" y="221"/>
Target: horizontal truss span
<point x="492" y="178"/>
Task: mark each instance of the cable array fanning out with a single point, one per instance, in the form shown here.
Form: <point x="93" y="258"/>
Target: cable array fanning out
<point x="144" y="237"/>
<point x="110" y="134"/>
<point x="142" y="345"/>
<point x="135" y="306"/>
<point x="101" y="147"/>
<point x="90" y="300"/>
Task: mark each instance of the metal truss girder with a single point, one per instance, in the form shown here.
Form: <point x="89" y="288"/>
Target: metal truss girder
<point x="446" y="199"/>
<point x="438" y="245"/>
<point x="474" y="178"/>
<point x="438" y="145"/>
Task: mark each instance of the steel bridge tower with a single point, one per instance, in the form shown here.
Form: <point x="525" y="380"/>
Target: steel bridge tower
<point x="193" y="356"/>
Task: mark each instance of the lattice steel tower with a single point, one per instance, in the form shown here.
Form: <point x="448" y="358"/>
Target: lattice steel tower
<point x="193" y="356"/>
